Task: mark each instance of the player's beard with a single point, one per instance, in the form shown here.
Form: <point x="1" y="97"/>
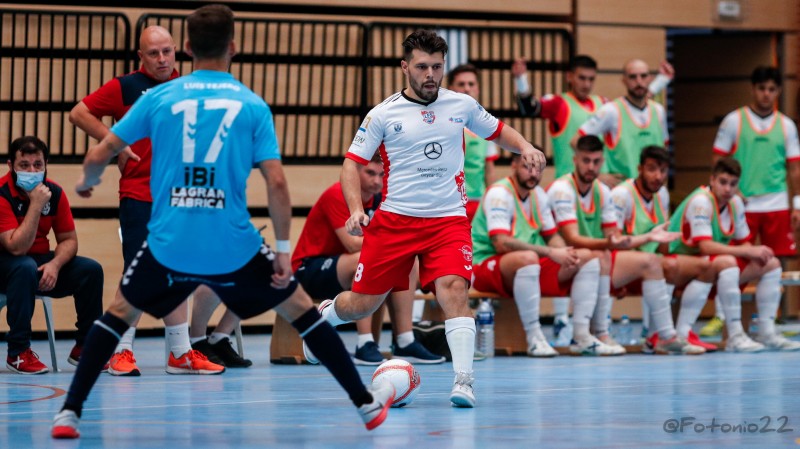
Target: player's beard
<point x="429" y="97"/>
<point x="587" y="178"/>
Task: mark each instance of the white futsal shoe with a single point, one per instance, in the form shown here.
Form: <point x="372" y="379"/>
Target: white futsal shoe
<point x="463" y="395"/>
<point x="376" y="411"/>
<point x="776" y="342"/>
<point x="539" y="347"/>
<point x="742" y="343"/>
<point x="65" y="425"/>
<point x="592" y="346"/>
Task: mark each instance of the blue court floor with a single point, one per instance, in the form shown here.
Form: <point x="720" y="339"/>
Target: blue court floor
<point x="635" y="401"/>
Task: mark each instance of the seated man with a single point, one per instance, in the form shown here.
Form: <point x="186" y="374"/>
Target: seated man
<point x="641" y="205"/>
<point x="30" y="206"/>
<point x="586" y="219"/>
<point x="712" y="223"/>
<point x="325" y="261"/>
<point x="511" y="257"/>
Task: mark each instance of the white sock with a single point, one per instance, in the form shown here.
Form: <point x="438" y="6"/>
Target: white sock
<point x="730" y="297"/>
<point x="330" y="314"/>
<point x="364" y="339"/>
<point x="561" y="307"/>
<point x="654" y="292"/>
<point x="216" y="337"/>
<point x="460" y="333"/>
<point x="645" y="314"/>
<point x="126" y="342"/>
<point x="584" y="298"/>
<point x="527" y="295"/>
<point x="768" y="298"/>
<point x="178" y="339"/>
<point x="194" y="340"/>
<point x="405" y="339"/>
<point x="603" y="308"/>
<point x="692" y="302"/>
<point x="720" y="312"/>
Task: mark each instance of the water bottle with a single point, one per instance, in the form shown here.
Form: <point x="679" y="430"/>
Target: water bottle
<point x="753" y="328"/>
<point x="484" y="322"/>
<point x="624" y="331"/>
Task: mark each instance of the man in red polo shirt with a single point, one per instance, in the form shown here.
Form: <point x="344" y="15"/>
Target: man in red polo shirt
<point x="157" y="53"/>
<point x="30" y="206"/>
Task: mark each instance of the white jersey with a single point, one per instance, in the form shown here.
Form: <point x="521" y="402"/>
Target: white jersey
<point x="500" y="208"/>
<point x="605" y="122"/>
<point x="562" y="200"/>
<point x="725" y="145"/>
<point x="422" y="147"/>
<point x="700" y="212"/>
<point x="623" y="199"/>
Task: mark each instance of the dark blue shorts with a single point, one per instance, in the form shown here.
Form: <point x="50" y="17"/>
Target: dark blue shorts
<point x="151" y="287"/>
<point x="318" y="277"/>
<point x="133" y="218"/>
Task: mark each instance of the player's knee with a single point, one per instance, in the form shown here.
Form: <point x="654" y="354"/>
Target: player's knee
<point x="772" y="264"/>
<point x="652" y="265"/>
<point x="723" y="262"/>
<point x="670" y="267"/>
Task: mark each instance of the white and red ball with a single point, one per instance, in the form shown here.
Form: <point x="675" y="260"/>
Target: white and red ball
<point x="403" y="376"/>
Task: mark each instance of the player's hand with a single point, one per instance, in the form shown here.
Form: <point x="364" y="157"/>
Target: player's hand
<point x="519" y="67"/>
<point x="283" y="271"/>
<point x="39" y="196"/>
<point x="661" y="235"/>
<point x="49" y="277"/>
<point x="666" y="69"/>
<point x="566" y="256"/>
<point x="796" y="220"/>
<point x="124" y="156"/>
<point x="619" y="241"/>
<point x="533" y="157"/>
<point x="761" y="254"/>
<point x="356" y="222"/>
<point x="84" y="189"/>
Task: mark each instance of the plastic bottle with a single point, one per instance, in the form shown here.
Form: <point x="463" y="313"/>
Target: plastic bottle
<point x="624" y="331"/>
<point x="753" y="328"/>
<point x="484" y="322"/>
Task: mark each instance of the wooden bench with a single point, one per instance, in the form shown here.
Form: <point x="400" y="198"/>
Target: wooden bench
<point x="509" y="335"/>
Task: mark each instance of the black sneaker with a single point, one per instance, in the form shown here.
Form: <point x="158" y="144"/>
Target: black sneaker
<point x="229" y="357"/>
<point x="369" y="354"/>
<point x="416" y="353"/>
<point x="207" y="350"/>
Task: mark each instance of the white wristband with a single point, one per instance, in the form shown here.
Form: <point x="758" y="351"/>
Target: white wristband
<point x="521" y="82"/>
<point x="796" y="202"/>
<point x="659" y="83"/>
<point x="283" y="246"/>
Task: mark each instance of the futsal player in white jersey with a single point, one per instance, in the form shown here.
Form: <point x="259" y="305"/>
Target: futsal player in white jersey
<point x="419" y="133"/>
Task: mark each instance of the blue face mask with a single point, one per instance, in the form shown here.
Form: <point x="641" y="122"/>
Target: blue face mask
<point x="28" y="180"/>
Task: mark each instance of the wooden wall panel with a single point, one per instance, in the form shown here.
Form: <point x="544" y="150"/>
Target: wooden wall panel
<point x="715" y="55"/>
<point x="778" y="15"/>
<point x="702" y="102"/>
<point x="693" y="146"/>
<point x="613" y="46"/>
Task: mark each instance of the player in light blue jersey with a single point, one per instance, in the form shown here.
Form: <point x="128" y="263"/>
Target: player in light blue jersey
<point x="208" y="131"/>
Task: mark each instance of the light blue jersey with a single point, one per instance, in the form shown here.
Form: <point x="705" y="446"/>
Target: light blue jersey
<point x="208" y="131"/>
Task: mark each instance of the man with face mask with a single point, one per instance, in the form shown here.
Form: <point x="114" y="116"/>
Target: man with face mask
<point x="30" y="206"/>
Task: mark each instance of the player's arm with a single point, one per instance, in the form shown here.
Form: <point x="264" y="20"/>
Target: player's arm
<point x="504" y="243"/>
<point x="351" y="243"/>
<point x="65" y="250"/>
<point x="745" y="250"/>
<point x="793" y="170"/>
<point x="528" y="104"/>
<point x="18" y="239"/>
<point x="95" y="162"/>
<point x="83" y="118"/>
<point x="280" y="204"/>
<point x="572" y="236"/>
<point x="351" y="188"/>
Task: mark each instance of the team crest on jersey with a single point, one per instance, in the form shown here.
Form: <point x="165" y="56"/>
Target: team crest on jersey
<point x="428" y="117"/>
<point x="456" y="120"/>
<point x="398" y="127"/>
<point x="46" y="208"/>
<point x="467" y="252"/>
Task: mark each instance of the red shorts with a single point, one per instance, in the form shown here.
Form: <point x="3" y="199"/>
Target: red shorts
<point x="472" y="207"/>
<point x="633" y="288"/>
<point x="774" y="229"/>
<point x="488" y="278"/>
<point x="392" y="241"/>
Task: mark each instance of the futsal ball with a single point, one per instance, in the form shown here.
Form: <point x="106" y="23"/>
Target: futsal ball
<point x="403" y="376"/>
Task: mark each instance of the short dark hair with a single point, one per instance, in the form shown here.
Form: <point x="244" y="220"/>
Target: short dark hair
<point x="27" y="145"/>
<point x="727" y="165"/>
<point x="656" y="153"/>
<point x="425" y="40"/>
<point x="210" y="31"/>
<point x="583" y="61"/>
<point x="590" y="143"/>
<point x="458" y="70"/>
<point x="762" y="74"/>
